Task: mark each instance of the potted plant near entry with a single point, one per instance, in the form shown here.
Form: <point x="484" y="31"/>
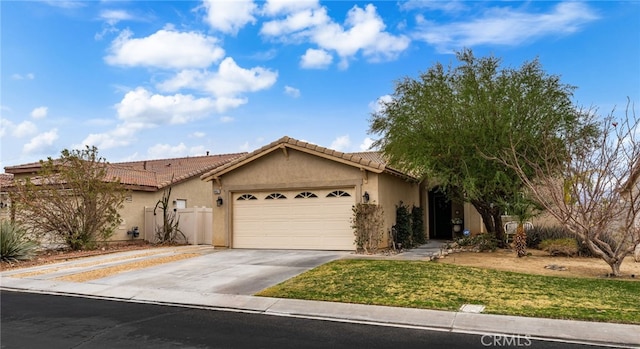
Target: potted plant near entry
<point x="457" y="224"/>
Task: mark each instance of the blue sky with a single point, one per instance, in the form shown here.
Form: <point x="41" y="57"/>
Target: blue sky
<point x="160" y="79"/>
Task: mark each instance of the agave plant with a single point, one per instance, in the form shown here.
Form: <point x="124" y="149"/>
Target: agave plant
<point x="14" y="243"/>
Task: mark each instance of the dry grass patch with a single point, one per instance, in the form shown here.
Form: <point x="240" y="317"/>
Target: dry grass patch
<point x="116" y="269"/>
<point x="536" y="262"/>
<point x="81" y="265"/>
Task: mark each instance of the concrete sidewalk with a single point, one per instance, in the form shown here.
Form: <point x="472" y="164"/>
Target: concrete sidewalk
<point x="605" y="334"/>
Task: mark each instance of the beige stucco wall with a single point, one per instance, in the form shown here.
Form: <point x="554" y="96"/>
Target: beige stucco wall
<point x="278" y="170"/>
<point x="392" y="190"/>
<point x="196" y="192"/>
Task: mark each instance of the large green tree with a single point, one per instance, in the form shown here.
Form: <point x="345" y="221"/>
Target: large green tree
<point x="448" y="123"/>
<point x="74" y="198"/>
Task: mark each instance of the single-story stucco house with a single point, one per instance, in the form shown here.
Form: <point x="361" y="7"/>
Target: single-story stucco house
<point x="288" y="194"/>
<point x="146" y="181"/>
<point x="292" y="194"/>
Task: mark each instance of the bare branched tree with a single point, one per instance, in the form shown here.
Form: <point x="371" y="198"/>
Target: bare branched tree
<point x="73" y="198"/>
<point x="169" y="232"/>
<point x="590" y="182"/>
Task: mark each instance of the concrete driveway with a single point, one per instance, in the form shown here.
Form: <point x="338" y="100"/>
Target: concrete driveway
<point x="242" y="272"/>
<point x="235" y="272"/>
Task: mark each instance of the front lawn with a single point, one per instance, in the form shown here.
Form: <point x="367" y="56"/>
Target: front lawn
<point x="419" y="284"/>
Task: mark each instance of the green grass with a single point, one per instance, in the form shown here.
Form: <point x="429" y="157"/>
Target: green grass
<point x="429" y="285"/>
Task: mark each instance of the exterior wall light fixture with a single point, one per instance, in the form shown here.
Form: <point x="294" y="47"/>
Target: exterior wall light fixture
<point x="219" y="201"/>
<point x="365" y="197"/>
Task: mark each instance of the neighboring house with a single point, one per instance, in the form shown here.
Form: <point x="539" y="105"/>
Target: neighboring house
<point x="146" y="181"/>
<point x="5" y="203"/>
<point x="295" y="195"/>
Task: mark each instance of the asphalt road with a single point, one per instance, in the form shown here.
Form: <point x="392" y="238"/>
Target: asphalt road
<point x="46" y="321"/>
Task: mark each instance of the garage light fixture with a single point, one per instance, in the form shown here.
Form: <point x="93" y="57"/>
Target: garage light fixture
<point x="219" y="201"/>
<point x="365" y="197"/>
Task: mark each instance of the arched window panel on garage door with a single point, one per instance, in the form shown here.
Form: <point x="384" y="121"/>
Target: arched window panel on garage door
<point x="306" y="195"/>
<point x="247" y="197"/>
<point x="338" y="194"/>
<point x="275" y="196"/>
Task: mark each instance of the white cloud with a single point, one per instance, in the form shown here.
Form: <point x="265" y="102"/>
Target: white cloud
<point x="197" y="134"/>
<point x="165" y="48"/>
<point x="41" y="142"/>
<point x="140" y="105"/>
<point x="164" y="151"/>
<point x="299" y="21"/>
<point x="315" y="59"/>
<point x="39" y="113"/>
<point x="275" y="7"/>
<point x="363" y="31"/>
<point x="140" y="109"/>
<point x="292" y="91"/>
<point x="28" y="76"/>
<point x="341" y="143"/>
<point x="5" y="125"/>
<point x="226" y="119"/>
<point x="366" y="144"/>
<point x="114" y="16"/>
<point x="227" y="84"/>
<point x="245" y="146"/>
<point x="366" y="33"/>
<point x="377" y="105"/>
<point x="229" y="16"/>
<point x="122" y="136"/>
<point x="506" y="26"/>
<point x="24" y="129"/>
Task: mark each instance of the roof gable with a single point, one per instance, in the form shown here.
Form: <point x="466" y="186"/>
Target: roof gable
<point x="370" y="161"/>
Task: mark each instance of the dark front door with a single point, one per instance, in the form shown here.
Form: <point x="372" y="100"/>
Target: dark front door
<point x="439" y="215"/>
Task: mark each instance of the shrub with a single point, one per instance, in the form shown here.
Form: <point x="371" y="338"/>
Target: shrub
<point x="560" y="247"/>
<point x="481" y="242"/>
<point x="367" y="223"/>
<point x="417" y="225"/>
<point x="14" y="244"/>
<point x="403" y="226"/>
<point x="536" y="235"/>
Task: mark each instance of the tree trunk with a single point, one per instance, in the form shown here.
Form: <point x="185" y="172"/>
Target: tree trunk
<point x="497" y="220"/>
<point x="520" y="241"/>
<point x="615" y="266"/>
<point x="492" y="218"/>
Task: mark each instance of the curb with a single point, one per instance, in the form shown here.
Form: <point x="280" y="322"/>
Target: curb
<point x="566" y="331"/>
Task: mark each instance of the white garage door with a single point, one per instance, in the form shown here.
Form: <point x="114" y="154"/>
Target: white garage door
<point x="294" y="219"/>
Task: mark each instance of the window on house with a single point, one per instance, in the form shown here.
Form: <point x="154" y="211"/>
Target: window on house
<point x="247" y="197"/>
<point x="306" y="195"/>
<point x="275" y="196"/>
<point x="181" y="203"/>
<point x="338" y="194"/>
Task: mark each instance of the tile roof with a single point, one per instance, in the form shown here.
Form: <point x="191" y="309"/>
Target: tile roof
<point x="6" y="179"/>
<point x="151" y="175"/>
<point x="371" y="161"/>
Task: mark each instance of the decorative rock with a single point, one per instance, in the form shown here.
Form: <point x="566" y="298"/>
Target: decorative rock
<point x="556" y="267"/>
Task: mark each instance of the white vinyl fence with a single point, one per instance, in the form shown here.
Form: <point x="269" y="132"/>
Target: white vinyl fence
<point x="195" y="223"/>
